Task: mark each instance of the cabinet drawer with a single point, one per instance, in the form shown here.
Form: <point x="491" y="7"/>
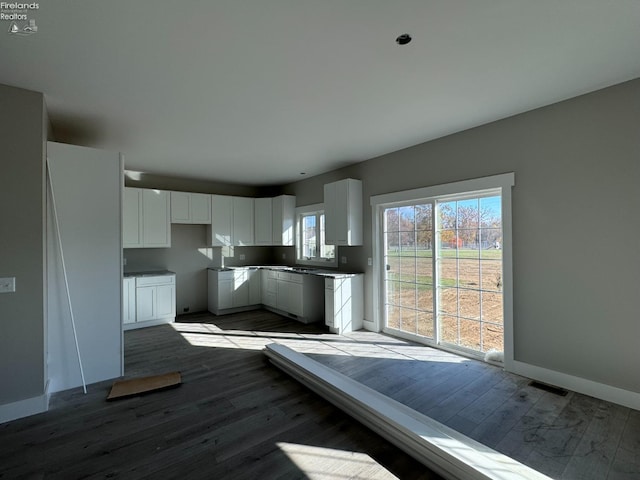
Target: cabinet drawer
<point x="290" y="277"/>
<point x="155" y="280"/>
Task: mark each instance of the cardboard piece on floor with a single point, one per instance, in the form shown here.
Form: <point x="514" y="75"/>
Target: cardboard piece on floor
<point x="136" y="386"/>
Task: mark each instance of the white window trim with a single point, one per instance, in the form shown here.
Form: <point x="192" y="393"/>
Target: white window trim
<point x="300" y="211"/>
<point x="504" y="182"/>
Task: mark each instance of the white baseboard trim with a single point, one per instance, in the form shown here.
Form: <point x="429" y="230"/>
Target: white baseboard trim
<point x="24" y="408"/>
<point x="616" y="395"/>
<point x="449" y="453"/>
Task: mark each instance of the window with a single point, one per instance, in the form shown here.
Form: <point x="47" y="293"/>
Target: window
<point x="310" y="246"/>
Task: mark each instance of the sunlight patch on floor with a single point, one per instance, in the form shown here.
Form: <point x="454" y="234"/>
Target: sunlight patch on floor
<point x="329" y="463"/>
<point x="358" y="344"/>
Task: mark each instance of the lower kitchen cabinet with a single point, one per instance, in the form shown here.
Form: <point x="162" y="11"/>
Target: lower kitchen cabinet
<point x="299" y="296"/>
<point x="232" y="290"/>
<point x="148" y="300"/>
<point x="344" y="303"/>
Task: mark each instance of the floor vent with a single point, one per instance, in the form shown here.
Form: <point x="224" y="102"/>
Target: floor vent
<point x="548" y="388"/>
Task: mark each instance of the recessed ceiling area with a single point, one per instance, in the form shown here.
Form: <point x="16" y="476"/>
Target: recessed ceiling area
<point x="256" y="92"/>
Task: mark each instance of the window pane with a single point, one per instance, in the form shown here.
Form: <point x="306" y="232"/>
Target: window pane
<point x="423" y="217"/>
<point x="469" y="273"/>
<point x="408" y="295"/>
<point x="491" y="243"/>
<point x="491" y="275"/>
<point x="448" y="272"/>
<point x="391" y="220"/>
<point x="447" y="217"/>
<point x="408" y="320"/>
<point x="468" y="214"/>
<point x="492" y="337"/>
<point x="309" y="236"/>
<point x="469" y="303"/>
<point x="425" y="298"/>
<point x="328" y="251"/>
<point x="448" y="301"/>
<point x="490" y="212"/>
<point x="492" y="307"/>
<point x="470" y="334"/>
<point x="408" y="269"/>
<point x="449" y="329"/>
<point x="424" y="271"/>
<point x="393" y="292"/>
<point x="425" y="324"/>
<point x="393" y="316"/>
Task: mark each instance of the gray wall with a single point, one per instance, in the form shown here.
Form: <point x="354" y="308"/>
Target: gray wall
<point x="575" y="224"/>
<point x="23" y="127"/>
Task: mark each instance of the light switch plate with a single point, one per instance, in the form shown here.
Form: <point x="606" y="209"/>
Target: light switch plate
<point x="344" y="259"/>
<point x="7" y="284"/>
<point x="370" y="261"/>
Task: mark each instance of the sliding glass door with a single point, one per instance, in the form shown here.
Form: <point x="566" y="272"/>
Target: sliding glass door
<point x="442" y="279"/>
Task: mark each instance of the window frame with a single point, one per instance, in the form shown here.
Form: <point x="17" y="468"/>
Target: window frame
<point x="318" y="210"/>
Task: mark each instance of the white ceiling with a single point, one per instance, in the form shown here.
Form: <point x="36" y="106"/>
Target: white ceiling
<point x="258" y="91"/>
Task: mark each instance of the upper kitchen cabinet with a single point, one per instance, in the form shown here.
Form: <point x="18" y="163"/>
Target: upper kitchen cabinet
<point x="242" y="221"/>
<point x="189" y="207"/>
<point x="263" y="232"/>
<point x="221" y="228"/>
<point x="146" y="218"/>
<point x="282" y="219"/>
<point x="274" y="220"/>
<point x="343" y="212"/>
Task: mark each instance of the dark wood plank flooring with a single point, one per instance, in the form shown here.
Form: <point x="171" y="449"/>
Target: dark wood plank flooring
<point x="235" y="416"/>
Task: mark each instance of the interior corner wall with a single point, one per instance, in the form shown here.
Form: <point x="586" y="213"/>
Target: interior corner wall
<point x="22" y="245"/>
<point x="576" y="226"/>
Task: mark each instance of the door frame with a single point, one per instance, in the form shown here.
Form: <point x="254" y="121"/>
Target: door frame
<point x="504" y="182"/>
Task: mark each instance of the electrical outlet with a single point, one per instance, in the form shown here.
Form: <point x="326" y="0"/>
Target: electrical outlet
<point x="185" y="310"/>
<point x="370" y="261"/>
<point x="7" y="284"/>
<point x="343" y="260"/>
<point x="284" y="256"/>
<point x="242" y="256"/>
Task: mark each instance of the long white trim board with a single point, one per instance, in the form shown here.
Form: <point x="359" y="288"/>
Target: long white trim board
<point x="445" y="451"/>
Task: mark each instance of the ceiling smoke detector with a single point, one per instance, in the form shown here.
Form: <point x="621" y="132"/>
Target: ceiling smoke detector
<point x="403" y="39"/>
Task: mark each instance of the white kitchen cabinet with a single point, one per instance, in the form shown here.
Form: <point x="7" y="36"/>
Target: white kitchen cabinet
<point x="146" y="218"/>
<point x="255" y="286"/>
<point x="269" y="287"/>
<point x="156" y="222"/>
<point x="187" y="207"/>
<point x="344" y="303"/>
<point x="242" y="221"/>
<point x="300" y="296"/>
<point x="232" y="290"/>
<point x="283" y="220"/>
<point x="132" y="218"/>
<point x="154" y="298"/>
<point x="128" y="300"/>
<point x="263" y="232"/>
<point x="221" y="228"/>
<point x="343" y="212"/>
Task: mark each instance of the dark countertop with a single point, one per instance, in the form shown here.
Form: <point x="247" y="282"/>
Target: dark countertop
<point x="147" y="273"/>
<point x="285" y="268"/>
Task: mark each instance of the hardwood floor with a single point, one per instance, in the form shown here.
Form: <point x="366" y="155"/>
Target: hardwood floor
<point x="236" y="416"/>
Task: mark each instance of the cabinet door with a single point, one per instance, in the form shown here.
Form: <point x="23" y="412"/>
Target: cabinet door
<point x="282" y="295"/>
<point x="296" y="299"/>
<point x="255" y="288"/>
<point x="225" y="293"/>
<point x="180" y="207"/>
<point x="341" y="213"/>
<point x="283" y="220"/>
<point x="330" y="218"/>
<point x="240" y="288"/>
<point x="263" y="224"/>
<point x="145" y="303"/>
<point x="242" y="221"/>
<point x="131" y="215"/>
<point x="329" y="302"/>
<point x="165" y="301"/>
<point x="129" y="300"/>
<point x="221" y="221"/>
<point x="156" y="225"/>
<point x="269" y="288"/>
<point x="200" y="208"/>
